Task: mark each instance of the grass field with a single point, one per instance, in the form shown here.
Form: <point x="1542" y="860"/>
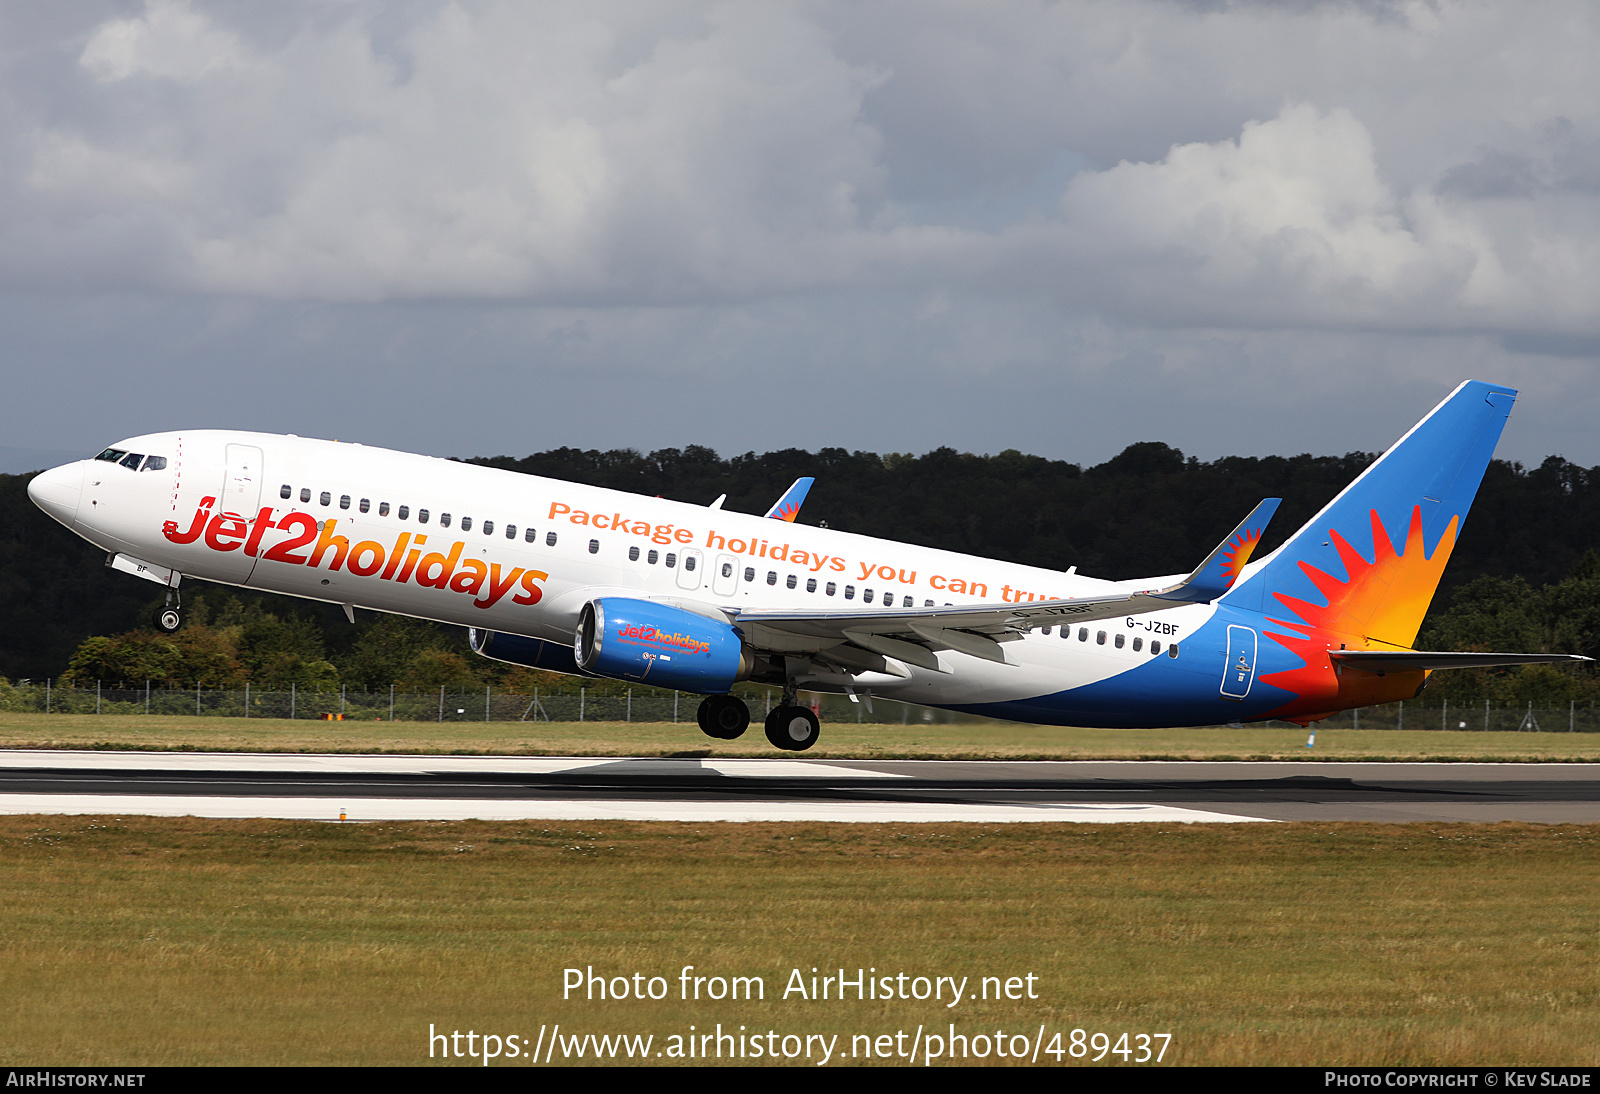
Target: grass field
<point x="141" y="941"/>
<point x="976" y="740"/>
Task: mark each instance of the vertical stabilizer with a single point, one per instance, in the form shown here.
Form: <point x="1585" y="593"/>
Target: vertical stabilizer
<point x="1366" y="567"/>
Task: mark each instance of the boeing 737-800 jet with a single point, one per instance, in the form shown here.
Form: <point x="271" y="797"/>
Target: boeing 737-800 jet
<point x="606" y="584"/>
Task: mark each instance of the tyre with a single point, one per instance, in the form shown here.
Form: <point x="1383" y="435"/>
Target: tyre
<point x="168" y="620"/>
<point x="724" y="717"/>
<point x="793" y="729"/>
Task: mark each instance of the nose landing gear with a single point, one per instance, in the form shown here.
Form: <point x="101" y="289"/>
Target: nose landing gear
<point x="170" y="617"/>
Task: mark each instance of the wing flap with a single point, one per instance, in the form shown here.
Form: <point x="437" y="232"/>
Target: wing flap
<point x="1411" y="660"/>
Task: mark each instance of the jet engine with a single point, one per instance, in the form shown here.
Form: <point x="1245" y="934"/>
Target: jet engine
<point x="517" y="649"/>
<point x="659" y="645"/>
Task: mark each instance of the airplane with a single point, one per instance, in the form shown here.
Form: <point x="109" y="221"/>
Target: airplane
<point x="601" y="583"/>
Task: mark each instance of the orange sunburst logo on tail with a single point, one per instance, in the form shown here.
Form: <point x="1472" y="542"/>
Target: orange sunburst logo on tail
<point x="1237" y="553"/>
<point x="1379" y="605"/>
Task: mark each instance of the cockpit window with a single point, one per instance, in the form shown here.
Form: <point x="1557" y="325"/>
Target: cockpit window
<point x="111" y="455"/>
<point x="131" y="460"/>
<point x="154" y="463"/>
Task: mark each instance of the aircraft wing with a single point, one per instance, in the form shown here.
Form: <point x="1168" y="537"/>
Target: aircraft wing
<point x="1410" y="660"/>
<point x="912" y="634"/>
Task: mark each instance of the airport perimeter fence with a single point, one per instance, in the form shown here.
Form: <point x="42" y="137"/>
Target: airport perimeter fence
<point x="653" y="705"/>
<point x="444" y="705"/>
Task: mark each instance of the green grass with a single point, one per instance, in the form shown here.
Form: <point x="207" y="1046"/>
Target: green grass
<point x="144" y="941"/>
<point x="970" y="740"/>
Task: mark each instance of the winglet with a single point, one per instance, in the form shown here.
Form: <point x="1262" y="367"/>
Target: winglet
<point x="788" y="506"/>
<point x="1222" y="567"/>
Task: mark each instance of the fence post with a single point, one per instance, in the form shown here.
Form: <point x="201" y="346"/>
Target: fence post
<point x="1355" y="717"/>
<point x="341" y="697"/>
<point x="628" y="717"/>
<point x="47" y="697"/>
<point x="674" y="708"/>
<point x="147" y="697"/>
<point x="486" y="702"/>
<point x="1444" y="714"/>
<point x="581" y="692"/>
<point x="1572" y="715"/>
<point x="197" y="698"/>
<point x="391" y="702"/>
<point x="291" y="700"/>
<point x="97" y="697"/>
<point x="247" y="698"/>
<point x="1401" y="722"/>
<point x="1486" y="715"/>
<point x="441" y="702"/>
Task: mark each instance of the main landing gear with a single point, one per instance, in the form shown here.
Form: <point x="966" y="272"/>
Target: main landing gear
<point x="724" y="717"/>
<point x="790" y="726"/>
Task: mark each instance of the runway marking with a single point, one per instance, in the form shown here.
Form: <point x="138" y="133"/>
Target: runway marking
<point x="396" y="809"/>
<point x="302" y="763"/>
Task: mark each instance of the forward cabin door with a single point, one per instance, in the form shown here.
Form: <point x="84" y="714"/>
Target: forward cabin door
<point x="726" y="580"/>
<point x="1239" y="672"/>
<point x="241" y="495"/>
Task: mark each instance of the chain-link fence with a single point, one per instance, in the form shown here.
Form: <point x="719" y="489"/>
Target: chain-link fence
<point x="654" y="705"/>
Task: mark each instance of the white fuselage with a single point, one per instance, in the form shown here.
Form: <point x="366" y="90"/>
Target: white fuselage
<point x="462" y="544"/>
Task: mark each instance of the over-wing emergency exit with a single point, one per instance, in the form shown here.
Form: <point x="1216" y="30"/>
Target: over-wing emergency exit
<point x="607" y="584"/>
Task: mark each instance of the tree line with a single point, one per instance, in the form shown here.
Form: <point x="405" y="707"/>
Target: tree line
<point x="1524" y="575"/>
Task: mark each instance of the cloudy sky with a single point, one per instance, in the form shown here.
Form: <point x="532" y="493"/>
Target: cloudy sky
<point x="481" y="228"/>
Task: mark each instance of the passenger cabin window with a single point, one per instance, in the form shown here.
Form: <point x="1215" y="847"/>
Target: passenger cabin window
<point x="1138" y="644"/>
<point x="549" y="539"/>
<point x="422" y="516"/>
<point x="530" y="535"/>
<point x="866" y="597"/>
<point x="285" y="490"/>
<point x="749" y="573"/>
<point x="652" y="557"/>
<point x="344" y="501"/>
<point x="466" y="524"/>
<point x="849" y="592"/>
<point x="633" y="554"/>
<point x="1172" y="650"/>
<point x="1119" y="641"/>
<point x="327" y="498"/>
<point x="444" y="520"/>
<point x="383" y="508"/>
<point x="1155" y="646"/>
<point x="594" y="546"/>
<point x="366" y="505"/>
<point x="305" y="495"/>
<point x="1100" y="639"/>
<point x="1083" y="634"/>
<point x="830" y="588"/>
<point x="404" y="512"/>
<point x="670" y="561"/>
<point x="688" y="563"/>
<point x="772" y="576"/>
<point x="791" y="581"/>
<point x="488" y="527"/>
<point x="511" y="531"/>
<point x="811" y="584"/>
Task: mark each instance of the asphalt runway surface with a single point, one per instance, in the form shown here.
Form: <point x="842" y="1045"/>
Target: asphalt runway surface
<point x="364" y="788"/>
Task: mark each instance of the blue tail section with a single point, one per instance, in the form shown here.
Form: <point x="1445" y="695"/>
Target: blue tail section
<point x="1368" y="564"/>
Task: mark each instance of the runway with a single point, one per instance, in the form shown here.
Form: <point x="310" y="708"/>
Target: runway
<point x="370" y="788"/>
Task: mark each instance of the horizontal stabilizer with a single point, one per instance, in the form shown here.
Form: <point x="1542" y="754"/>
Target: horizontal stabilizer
<point x="788" y="506"/>
<point x="1411" y="660"/>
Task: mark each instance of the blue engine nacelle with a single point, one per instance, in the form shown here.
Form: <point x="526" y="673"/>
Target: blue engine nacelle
<point x="659" y="645"/>
<point x="517" y="649"/>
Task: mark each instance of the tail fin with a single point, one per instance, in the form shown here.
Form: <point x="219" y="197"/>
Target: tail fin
<point x="1367" y="566"/>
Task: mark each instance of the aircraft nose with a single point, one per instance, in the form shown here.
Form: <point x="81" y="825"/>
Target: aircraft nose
<point x="58" y="491"/>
